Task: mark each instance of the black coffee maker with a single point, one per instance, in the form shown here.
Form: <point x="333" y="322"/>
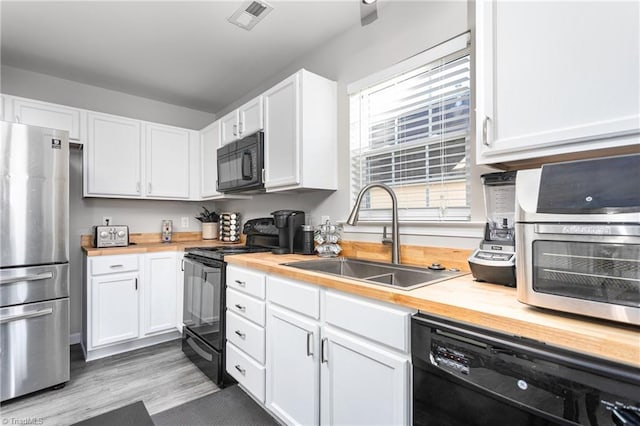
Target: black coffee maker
<point x="289" y="224"/>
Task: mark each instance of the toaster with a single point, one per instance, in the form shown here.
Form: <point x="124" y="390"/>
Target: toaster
<point x="110" y="236"/>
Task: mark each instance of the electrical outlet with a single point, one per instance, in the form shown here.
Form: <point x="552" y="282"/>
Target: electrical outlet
<point x="106" y="220"/>
<point x="324" y="219"/>
<point x="184" y="222"/>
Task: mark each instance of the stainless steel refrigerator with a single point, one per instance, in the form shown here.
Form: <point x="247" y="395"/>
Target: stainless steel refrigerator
<point x="34" y="259"/>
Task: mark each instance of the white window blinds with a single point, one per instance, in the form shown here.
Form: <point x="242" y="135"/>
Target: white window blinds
<point x="411" y="131"/>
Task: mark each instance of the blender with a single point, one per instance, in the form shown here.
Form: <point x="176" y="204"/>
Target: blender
<point x="495" y="260"/>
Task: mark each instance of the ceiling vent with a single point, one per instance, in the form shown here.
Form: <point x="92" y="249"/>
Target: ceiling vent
<point x="250" y="13"/>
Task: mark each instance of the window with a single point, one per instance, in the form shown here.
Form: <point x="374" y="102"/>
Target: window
<point x="411" y="131"/>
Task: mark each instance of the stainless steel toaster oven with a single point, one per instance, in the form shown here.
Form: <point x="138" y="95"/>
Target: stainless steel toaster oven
<point x="578" y="237"/>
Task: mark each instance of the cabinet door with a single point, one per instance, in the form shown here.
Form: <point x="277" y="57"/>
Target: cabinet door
<point x="545" y="88"/>
<point x="159" y="292"/>
<point x="44" y="114"/>
<point x="282" y="134"/>
<point x="362" y="383"/>
<point x="209" y="144"/>
<point x="229" y="128"/>
<point x="167" y="165"/>
<point x="114" y="308"/>
<point x="292" y="367"/>
<point x="250" y="117"/>
<point x="113" y="156"/>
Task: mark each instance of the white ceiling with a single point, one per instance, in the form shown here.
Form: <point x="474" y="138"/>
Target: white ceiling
<point x="180" y="52"/>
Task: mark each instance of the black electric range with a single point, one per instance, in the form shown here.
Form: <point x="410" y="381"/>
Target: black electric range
<point x="219" y="252"/>
<point x="204" y="302"/>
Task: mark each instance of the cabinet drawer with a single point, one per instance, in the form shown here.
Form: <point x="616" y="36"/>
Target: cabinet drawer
<point x="298" y="297"/>
<point x="246" y="306"/>
<point x="246" y="335"/>
<point x="376" y="321"/>
<point x="112" y="264"/>
<point x="246" y="371"/>
<point x="246" y="281"/>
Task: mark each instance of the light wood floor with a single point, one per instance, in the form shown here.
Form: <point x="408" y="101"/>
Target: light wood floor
<point x="161" y="376"/>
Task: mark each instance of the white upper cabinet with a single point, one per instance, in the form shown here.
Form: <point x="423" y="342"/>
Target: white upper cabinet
<point x="242" y="122"/>
<point x="300" y="134"/>
<point x="113" y="154"/>
<point x="167" y="162"/>
<point x="229" y="127"/>
<point x="545" y="88"/>
<point x="45" y="114"/>
<point x="250" y="116"/>
<point x="209" y="144"/>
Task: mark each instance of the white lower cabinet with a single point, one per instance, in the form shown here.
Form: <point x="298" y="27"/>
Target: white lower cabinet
<point x="362" y="383"/>
<point x="293" y="379"/>
<point x="114" y="308"/>
<point x="245" y="333"/>
<point x="130" y="302"/>
<point x="359" y="372"/>
<point x="159" y="292"/>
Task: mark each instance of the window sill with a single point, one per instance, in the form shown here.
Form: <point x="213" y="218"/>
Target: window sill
<point x="435" y="229"/>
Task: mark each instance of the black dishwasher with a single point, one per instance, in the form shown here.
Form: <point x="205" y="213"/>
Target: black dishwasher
<point x="463" y="375"/>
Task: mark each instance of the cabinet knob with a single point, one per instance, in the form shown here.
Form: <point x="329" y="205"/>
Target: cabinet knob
<point x="240" y="369"/>
<point x="240" y="307"/>
<point x="241" y="283"/>
<point x="240" y="334"/>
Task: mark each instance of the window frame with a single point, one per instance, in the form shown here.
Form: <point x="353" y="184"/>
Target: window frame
<point x="450" y="50"/>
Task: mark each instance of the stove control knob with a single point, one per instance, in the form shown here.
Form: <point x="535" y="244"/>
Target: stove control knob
<point x="103" y="234"/>
<point x="436" y="267"/>
<point x="121" y="234"/>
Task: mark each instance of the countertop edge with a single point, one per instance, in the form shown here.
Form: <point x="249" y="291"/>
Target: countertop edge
<point x="570" y="332"/>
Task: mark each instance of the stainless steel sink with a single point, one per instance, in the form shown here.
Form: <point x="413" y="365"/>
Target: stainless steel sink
<point x="391" y="275"/>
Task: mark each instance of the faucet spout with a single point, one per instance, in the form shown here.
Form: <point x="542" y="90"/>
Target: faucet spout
<point x="395" y="231"/>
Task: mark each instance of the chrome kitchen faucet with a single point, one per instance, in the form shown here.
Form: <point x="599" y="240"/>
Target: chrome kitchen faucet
<point x="395" y="233"/>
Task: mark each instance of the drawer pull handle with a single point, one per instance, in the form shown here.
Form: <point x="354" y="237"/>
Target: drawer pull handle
<point x="34" y="277"/>
<point x="240" y="334"/>
<point x="241" y="370"/>
<point x="116" y="266"/>
<point x="309" y="344"/>
<point x="240" y="307"/>
<point x="241" y="283"/>
<point x="17" y="317"/>
<point x="323" y="352"/>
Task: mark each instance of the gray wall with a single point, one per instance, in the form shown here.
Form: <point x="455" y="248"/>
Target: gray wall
<point x="19" y="82"/>
<point x="402" y="30"/>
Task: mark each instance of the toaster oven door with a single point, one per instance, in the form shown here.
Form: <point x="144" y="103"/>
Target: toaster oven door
<point x="563" y="267"/>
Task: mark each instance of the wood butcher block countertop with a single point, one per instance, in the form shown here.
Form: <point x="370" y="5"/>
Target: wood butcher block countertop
<point x="149" y="243"/>
<point x="486" y="305"/>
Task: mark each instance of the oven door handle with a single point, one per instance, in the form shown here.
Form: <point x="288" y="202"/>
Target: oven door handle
<point x="197" y="349"/>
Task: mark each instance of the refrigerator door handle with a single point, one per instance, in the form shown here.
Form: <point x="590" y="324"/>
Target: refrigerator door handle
<point x="34" y="277"/>
<point x="17" y="317"/>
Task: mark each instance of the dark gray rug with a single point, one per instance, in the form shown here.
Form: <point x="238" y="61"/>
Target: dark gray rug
<point x="229" y="406"/>
<point x="135" y="414"/>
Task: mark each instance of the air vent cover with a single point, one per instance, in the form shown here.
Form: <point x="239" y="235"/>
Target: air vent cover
<point x="250" y="13"/>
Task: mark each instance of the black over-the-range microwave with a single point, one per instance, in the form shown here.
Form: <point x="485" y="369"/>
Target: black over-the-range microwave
<point x="241" y="165"/>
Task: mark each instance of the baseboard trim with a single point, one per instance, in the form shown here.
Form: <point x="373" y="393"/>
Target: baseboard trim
<point x="91" y="355"/>
<point x="75" y="338"/>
